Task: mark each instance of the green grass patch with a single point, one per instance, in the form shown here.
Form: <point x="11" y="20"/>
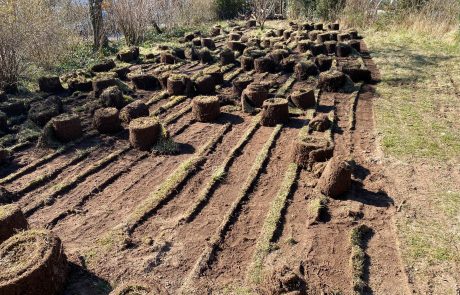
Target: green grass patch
<point x="417" y="111"/>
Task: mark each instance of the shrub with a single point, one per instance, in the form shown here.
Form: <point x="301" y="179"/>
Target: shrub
<point x="329" y="9"/>
<point x="228" y="9"/>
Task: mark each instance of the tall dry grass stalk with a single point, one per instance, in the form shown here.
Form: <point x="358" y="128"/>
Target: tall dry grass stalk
<point x="132" y="18"/>
<point x="435" y="17"/>
<point x="32" y="32"/>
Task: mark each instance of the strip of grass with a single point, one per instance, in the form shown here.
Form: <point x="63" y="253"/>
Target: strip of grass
<point x="62" y="188"/>
<point x="220" y="173"/>
<point x="175" y="100"/>
<point x="170" y="185"/>
<point x="271" y="223"/>
<point x="97" y="189"/>
<point x="31" y="167"/>
<point x="358" y="257"/>
<point x="157" y="98"/>
<point x="205" y="258"/>
<point x="176" y="116"/>
<point x="43" y="178"/>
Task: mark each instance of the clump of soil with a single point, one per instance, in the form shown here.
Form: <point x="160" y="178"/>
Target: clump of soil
<point x="331" y="80"/>
<point x="134" y="110"/>
<point x="205" y="85"/>
<point x="144" y="81"/>
<point x="320" y="123"/>
<point x="11" y="221"/>
<point x="205" y="108"/>
<point x="50" y="84"/>
<point x="336" y="178"/>
<point x="284" y="281"/>
<point x="128" y="55"/>
<point x="274" y="111"/>
<point x="306" y="69"/>
<point x="32" y="263"/>
<point x="303" y="98"/>
<point x="106" y="120"/>
<point x="135" y="288"/>
<point x="67" y="127"/>
<point x="312" y="150"/>
<point x="254" y="95"/>
<point x="144" y="132"/>
<point x="112" y="97"/>
<point x="104" y="66"/>
<point x="178" y="84"/>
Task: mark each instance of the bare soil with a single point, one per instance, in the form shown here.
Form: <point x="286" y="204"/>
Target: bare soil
<point x="164" y="249"/>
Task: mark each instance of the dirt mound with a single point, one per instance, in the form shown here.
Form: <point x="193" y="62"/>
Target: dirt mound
<point x="32" y="263"/>
<point x="144" y="81"/>
<point x="11" y="221"/>
<point x="99" y="85"/>
<point x="205" y="108"/>
<point x="336" y="178"/>
<point x="284" y="281"/>
<point x="144" y="132"/>
<point x="306" y="69"/>
<point x="254" y="95"/>
<point x="107" y="120"/>
<point x="205" y="85"/>
<point x="112" y="97"/>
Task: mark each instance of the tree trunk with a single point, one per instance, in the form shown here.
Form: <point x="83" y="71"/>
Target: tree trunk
<point x="95" y="12"/>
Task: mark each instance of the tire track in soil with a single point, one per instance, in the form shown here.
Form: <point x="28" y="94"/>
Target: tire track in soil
<point x="386" y="273"/>
<point x="187" y="242"/>
<point x="234" y="255"/>
<point x="108" y="208"/>
<point x="168" y="216"/>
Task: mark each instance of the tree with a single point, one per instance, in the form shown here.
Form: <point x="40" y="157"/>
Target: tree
<point x="262" y="9"/>
<point x="97" y="22"/>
